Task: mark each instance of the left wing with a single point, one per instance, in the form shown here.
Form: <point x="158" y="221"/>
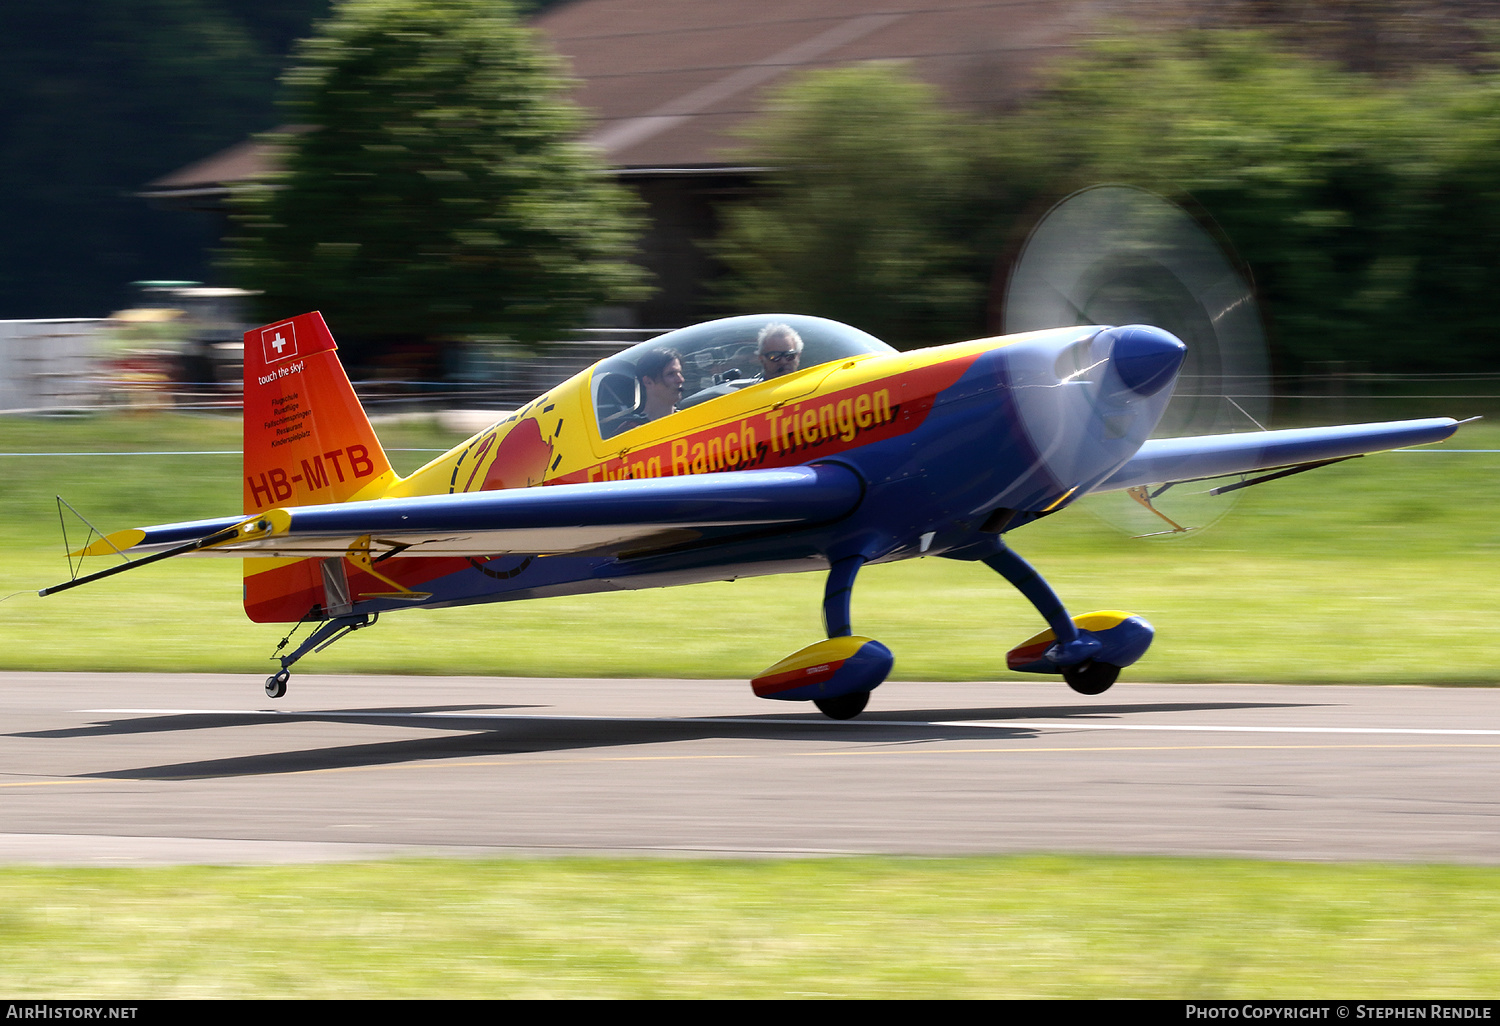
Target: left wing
<point x="1165" y="460"/>
<point x="605" y="517"/>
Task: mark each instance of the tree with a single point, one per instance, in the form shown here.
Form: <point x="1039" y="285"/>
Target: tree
<point x="863" y="219"/>
<point x="1354" y="200"/>
<point x="1366" y="207"/>
<point x="438" y="189"/>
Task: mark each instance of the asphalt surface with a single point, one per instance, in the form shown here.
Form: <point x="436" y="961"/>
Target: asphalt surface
<point x="124" y="769"/>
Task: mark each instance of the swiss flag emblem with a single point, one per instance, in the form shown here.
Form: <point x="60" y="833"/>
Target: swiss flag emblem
<point x="279" y="342"/>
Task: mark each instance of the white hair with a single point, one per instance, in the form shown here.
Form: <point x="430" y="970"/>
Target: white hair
<point x="777" y="330"/>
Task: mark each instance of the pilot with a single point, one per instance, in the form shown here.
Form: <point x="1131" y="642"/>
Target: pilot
<point x="779" y="349"/>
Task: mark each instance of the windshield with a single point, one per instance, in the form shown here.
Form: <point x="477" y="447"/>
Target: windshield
<point x="694" y="365"/>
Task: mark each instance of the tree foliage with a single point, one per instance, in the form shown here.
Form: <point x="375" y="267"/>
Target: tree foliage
<point x="1353" y="200"/>
<point x="859" y="222"/>
<point x="1366" y="208"/>
<point x="438" y="189"/>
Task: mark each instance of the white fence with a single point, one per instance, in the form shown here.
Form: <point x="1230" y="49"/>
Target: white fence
<point x="50" y="364"/>
<point x="78" y="364"/>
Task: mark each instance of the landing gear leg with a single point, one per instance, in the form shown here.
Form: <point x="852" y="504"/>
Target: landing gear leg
<point x="837" y="592"/>
<point x="327" y="633"/>
<point x="838" y="673"/>
<point x="1039" y="593"/>
<point x="1073" y="652"/>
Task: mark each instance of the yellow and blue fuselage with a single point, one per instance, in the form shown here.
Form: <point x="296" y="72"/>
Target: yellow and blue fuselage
<point x="938" y="440"/>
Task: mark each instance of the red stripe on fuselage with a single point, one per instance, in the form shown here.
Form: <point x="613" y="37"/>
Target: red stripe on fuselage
<point x="790" y="434"/>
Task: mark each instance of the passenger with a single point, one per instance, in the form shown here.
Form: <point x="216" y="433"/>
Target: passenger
<point x="660" y="374"/>
<point x="779" y="348"/>
<point x="661" y="379"/>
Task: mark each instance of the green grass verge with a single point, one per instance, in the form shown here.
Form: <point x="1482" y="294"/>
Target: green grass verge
<point x="1007" y="927"/>
<point x="1379" y="570"/>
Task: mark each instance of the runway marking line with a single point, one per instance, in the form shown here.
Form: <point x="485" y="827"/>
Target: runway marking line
<point x="900" y="751"/>
<point x="519" y="759"/>
<point x="760" y="722"/>
<point x="1200" y="727"/>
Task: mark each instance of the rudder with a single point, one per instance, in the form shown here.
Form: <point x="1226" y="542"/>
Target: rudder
<point x="307" y="441"/>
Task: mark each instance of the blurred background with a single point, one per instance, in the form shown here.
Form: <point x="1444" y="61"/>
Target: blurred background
<point x="485" y="197"/>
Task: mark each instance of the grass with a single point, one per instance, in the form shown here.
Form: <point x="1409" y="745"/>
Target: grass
<point x="1011" y="927"/>
<point x="1378" y="570"/>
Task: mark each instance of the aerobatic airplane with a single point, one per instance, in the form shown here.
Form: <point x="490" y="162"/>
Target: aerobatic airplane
<point x="743" y="446"/>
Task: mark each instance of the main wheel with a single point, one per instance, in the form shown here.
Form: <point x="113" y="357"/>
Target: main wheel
<point x="1091" y="678"/>
<point x="844" y="707"/>
<point x="276" y="684"/>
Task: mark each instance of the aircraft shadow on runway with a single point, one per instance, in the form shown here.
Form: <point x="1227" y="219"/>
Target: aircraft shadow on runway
<point x="468" y="733"/>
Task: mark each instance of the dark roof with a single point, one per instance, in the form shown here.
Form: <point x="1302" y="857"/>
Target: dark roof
<point x="212" y="176"/>
<point x="668" y="81"/>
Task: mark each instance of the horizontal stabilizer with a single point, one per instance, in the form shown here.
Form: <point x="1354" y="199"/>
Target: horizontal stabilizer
<point x="603" y="516"/>
<point x="1161" y="460"/>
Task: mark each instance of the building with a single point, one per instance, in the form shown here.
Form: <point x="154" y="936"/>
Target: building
<point x="669" y="82"/>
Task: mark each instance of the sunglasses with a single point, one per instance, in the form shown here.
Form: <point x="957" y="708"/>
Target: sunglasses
<point x="780" y="356"/>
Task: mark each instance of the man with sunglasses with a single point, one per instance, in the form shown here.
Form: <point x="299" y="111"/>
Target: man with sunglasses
<point x="779" y="349"/>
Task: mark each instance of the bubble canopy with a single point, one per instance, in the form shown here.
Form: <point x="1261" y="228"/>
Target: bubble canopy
<point x="717" y="358"/>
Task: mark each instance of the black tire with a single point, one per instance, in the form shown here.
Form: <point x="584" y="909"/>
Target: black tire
<point x="1091" y="678"/>
<point x="844" y="707"/>
<point x="276" y="684"/>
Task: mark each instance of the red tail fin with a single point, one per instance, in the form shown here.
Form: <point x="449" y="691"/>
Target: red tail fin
<point x="307" y="441"/>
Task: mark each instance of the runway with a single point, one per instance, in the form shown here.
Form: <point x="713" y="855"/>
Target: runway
<point x="137" y="769"/>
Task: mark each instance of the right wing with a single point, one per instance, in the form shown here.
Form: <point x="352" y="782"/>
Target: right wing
<point x="1169" y="460"/>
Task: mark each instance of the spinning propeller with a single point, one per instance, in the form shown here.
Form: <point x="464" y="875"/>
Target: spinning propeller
<point x="1119" y="255"/>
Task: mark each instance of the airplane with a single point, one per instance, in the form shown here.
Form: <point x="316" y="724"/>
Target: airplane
<point x="675" y="462"/>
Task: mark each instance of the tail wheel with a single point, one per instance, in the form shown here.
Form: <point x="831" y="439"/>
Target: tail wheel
<point x="276" y="684"/>
<point x="1090" y="677"/>
<point x="846" y="707"/>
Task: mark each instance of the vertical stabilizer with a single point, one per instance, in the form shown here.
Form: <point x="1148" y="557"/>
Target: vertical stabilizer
<point x="307" y="441"/>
